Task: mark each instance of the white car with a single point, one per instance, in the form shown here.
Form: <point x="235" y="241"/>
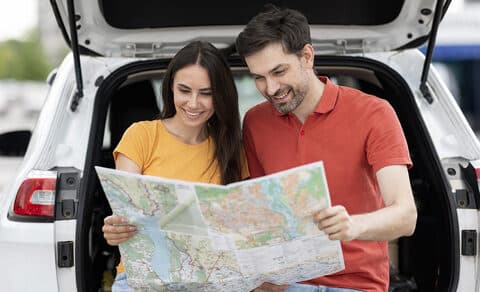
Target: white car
<point x="52" y="213"/>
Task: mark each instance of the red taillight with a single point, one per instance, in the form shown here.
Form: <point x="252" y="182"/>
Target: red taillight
<point x="36" y="197"/>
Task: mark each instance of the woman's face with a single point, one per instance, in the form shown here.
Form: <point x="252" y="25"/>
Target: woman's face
<point x="192" y="96"/>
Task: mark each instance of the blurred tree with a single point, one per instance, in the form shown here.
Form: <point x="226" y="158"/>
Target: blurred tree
<point x="24" y="59"/>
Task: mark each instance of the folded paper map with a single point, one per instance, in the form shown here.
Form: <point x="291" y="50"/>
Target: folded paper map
<point x="205" y="237"/>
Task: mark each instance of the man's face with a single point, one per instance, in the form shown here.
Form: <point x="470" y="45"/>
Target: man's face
<point x="280" y="77"/>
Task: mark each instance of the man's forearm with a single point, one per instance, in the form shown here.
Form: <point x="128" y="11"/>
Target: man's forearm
<point x="387" y="223"/>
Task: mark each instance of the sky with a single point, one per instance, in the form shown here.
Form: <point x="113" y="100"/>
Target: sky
<point x="17" y="17"/>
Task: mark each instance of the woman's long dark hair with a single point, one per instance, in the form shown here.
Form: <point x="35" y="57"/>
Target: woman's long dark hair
<point x="224" y="125"/>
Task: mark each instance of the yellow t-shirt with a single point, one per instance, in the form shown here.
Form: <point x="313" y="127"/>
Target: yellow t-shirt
<point x="159" y="153"/>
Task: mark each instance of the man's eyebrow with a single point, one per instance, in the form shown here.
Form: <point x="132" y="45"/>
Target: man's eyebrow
<point x="279" y="66"/>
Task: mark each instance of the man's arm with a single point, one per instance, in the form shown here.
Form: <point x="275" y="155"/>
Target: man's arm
<point x="397" y="218"/>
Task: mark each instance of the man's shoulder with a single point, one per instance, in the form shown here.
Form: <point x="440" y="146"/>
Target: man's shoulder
<point x="356" y="99"/>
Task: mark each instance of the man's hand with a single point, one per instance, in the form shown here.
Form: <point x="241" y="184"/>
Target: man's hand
<point x="116" y="230"/>
<point x="336" y="223"/>
<point x="269" y="287"/>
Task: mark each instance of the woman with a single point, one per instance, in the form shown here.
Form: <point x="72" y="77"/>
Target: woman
<point x="197" y="138"/>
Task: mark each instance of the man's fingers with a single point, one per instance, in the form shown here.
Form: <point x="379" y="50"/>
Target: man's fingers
<point x="331" y="229"/>
<point x="269" y="287"/>
<point x="336" y="236"/>
<point x="339" y="220"/>
<point x="328" y="222"/>
<point x="336" y="223"/>
<point x="328" y="212"/>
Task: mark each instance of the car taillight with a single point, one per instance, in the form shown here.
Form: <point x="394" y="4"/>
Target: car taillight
<point x="36" y="197"/>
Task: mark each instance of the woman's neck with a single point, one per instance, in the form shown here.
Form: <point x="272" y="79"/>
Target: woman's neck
<point x="187" y="135"/>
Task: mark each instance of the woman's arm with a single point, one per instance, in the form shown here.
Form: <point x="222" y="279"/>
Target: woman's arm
<point x="116" y="229"/>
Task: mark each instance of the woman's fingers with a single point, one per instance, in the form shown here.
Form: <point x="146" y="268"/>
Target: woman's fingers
<point x="116" y="230"/>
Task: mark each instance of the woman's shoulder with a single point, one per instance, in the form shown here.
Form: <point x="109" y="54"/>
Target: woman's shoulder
<point x="143" y="129"/>
<point x="145" y="126"/>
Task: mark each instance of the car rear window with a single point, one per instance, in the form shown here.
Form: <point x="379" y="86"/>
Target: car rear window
<point x="158" y="14"/>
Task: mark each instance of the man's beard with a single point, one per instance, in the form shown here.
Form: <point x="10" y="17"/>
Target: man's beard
<point x="292" y="104"/>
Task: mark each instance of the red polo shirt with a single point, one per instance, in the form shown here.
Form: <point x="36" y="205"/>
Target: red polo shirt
<point x="355" y="134"/>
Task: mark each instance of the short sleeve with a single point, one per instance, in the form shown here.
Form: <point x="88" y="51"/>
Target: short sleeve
<point x="134" y="144"/>
<point x="254" y="166"/>
<point x="386" y="143"/>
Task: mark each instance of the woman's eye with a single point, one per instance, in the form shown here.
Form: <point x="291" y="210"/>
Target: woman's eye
<point x="184" y="91"/>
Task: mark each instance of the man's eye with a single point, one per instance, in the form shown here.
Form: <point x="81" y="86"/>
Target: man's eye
<point x="280" y="72"/>
<point x="257" y="77"/>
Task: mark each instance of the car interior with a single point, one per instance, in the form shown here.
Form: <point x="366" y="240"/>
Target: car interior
<point x="421" y="262"/>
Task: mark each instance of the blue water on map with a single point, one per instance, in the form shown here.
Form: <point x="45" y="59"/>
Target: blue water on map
<point x="161" y="256"/>
<point x="275" y="193"/>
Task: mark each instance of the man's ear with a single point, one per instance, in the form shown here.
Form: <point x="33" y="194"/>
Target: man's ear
<point x="308" y="56"/>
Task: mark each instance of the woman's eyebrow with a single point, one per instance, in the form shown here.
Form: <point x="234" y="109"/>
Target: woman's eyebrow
<point x="181" y="85"/>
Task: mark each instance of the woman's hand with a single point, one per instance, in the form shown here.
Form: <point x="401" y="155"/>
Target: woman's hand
<point x="116" y="230"/>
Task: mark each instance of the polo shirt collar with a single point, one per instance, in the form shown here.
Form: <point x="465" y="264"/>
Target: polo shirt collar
<point x="329" y="97"/>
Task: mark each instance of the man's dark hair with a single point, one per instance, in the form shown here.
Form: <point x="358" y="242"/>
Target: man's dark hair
<point x="285" y="26"/>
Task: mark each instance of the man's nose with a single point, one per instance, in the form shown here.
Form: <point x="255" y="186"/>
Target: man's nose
<point x="272" y="86"/>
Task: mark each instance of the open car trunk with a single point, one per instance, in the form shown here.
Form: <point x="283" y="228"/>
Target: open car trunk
<point x="426" y="261"/>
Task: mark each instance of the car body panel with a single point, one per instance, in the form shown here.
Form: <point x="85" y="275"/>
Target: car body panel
<point x="27" y="251"/>
<point x="448" y="128"/>
<point x="65" y="144"/>
<point x="413" y="22"/>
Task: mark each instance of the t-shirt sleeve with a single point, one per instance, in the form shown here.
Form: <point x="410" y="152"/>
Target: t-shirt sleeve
<point x="386" y="143"/>
<point x="254" y="165"/>
<point x="134" y="144"/>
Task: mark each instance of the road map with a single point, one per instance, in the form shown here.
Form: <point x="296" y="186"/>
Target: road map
<point x="205" y="237"/>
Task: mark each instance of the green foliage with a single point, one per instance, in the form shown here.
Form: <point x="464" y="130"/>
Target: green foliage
<point x="23" y="59"/>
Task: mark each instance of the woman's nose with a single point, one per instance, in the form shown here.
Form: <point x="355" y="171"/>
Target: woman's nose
<point x="193" y="100"/>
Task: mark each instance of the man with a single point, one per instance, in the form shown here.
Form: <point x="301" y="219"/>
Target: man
<point x="358" y="137"/>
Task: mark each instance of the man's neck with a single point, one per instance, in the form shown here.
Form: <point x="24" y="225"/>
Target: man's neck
<point x="311" y="100"/>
